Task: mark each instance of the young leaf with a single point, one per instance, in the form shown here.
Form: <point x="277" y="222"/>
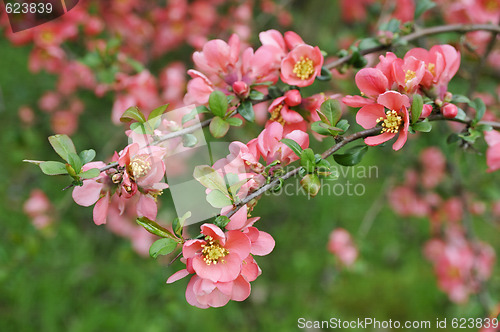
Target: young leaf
<point x="90" y="173"/>
<point x="152" y="227"/>
<point x="178" y="224"/>
<point x="368" y="43"/>
<point x="189" y="140"/>
<point x="221" y="221"/>
<point x="218" y="103"/>
<point x="318" y="127"/>
<point x="209" y="177"/>
<point x="218" y="199"/>
<point x="416" y="107"/>
<point x="218" y="127"/>
<point x="480" y="109"/>
<point x="325" y="74"/>
<point x="422" y="6"/>
<point x="330" y="112"/>
<point x="162" y="247"/>
<point x="133" y="113"/>
<point x="75" y="162"/>
<point x="256" y="95"/>
<point x="307" y="160"/>
<point x="246" y="110"/>
<point x="352" y="156"/>
<point x="62" y="145"/>
<point x="424" y="126"/>
<point x="87" y="156"/>
<point x="235" y="122"/>
<point x="460" y="99"/>
<point x="157" y="112"/>
<point x="294" y="146"/>
<point x="53" y="168"/>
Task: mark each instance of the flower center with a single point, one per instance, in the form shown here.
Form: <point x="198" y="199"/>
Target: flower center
<point x="432" y="68"/>
<point x="213" y="251"/>
<point x="276" y="114"/>
<point x="139" y="166"/>
<point x="303" y="68"/>
<point x="410" y="74"/>
<point x="391" y="123"/>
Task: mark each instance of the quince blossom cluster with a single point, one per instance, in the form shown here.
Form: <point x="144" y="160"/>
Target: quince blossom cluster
<point x="388" y="91"/>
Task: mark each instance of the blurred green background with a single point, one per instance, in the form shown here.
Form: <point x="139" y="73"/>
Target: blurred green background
<point x="81" y="277"/>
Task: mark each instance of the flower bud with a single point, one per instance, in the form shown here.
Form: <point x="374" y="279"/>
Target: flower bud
<point x="448" y="96"/>
<point x="426" y="111"/>
<point x="438" y="102"/>
<point x="449" y="111"/>
<point x="293" y="98"/>
<point x="241" y="89"/>
<point x="311" y="184"/>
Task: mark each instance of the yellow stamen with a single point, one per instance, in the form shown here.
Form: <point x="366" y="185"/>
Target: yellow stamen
<point x="391" y="123"/>
<point x="276" y="114"/>
<point x="432" y="68"/>
<point x="410" y="74"/>
<point x="139" y="166"/>
<point x="303" y="68"/>
<point x="213" y="251"/>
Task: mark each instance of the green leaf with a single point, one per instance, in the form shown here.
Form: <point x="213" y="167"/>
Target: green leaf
<point x="162" y="247"/>
<point x="246" y="110"/>
<point x="452" y="138"/>
<point x="218" y="103"/>
<point x="53" y="168"/>
<point x="368" y="43"/>
<point x="325" y="74"/>
<point x="218" y="199"/>
<point x="221" y="221"/>
<point x="34" y="162"/>
<point x="483" y="127"/>
<point x="343" y="125"/>
<point x="416" y="107"/>
<point x="424" y="126"/>
<point x="471" y="136"/>
<point x="178" y="224"/>
<point x="133" y="113"/>
<point x="320" y="128"/>
<point x="154" y="118"/>
<point x="311" y="184"/>
<point x="152" y="227"/>
<point x="392" y="26"/>
<point x="87" y="156"/>
<point x="62" y="145"/>
<point x="457" y="99"/>
<point x="235" y="122"/>
<point x="357" y="60"/>
<point x="75" y="162"/>
<point x="189" y="140"/>
<point x="422" y="6"/>
<point x="90" y="173"/>
<point x="256" y="95"/>
<point x="461" y="114"/>
<point x="209" y="177"/>
<point x="307" y="160"/>
<point x="352" y="156"/>
<point x="294" y="146"/>
<point x="218" y="127"/>
<point x="480" y="109"/>
<point x="330" y="112"/>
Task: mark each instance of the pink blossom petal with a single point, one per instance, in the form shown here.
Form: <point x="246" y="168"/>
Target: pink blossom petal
<point x="357" y="101"/>
<point x="211" y="272"/>
<point x="177" y="276"/>
<point x="238" y="219"/>
<point x="368" y="115"/>
<point x="215" y="232"/>
<point x="87" y="194"/>
<point x="379" y="139"/>
<point x="191" y="296"/>
<point x="371" y="81"/>
<point x="191" y="247"/>
<point x="238" y="243"/>
<point x="241" y="289"/>
<point x="393" y="100"/>
<point x="101" y="210"/>
<point x="146" y="207"/>
<point x="264" y="244"/>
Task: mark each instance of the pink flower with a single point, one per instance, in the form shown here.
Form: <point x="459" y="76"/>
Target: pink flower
<point x="340" y="244"/>
<point x="493" y="152"/>
<point x="372" y="82"/>
<point x="270" y="147"/>
<point x="394" y="121"/>
<point x="219" y="256"/>
<point x="38" y="208"/>
<point x="301" y="66"/>
<point x="408" y="73"/>
<point x="281" y="112"/>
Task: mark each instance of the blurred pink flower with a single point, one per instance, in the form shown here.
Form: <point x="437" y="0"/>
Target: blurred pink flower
<point x="341" y="245"/>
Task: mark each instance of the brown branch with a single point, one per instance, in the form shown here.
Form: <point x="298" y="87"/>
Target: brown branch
<point x="458" y="28"/>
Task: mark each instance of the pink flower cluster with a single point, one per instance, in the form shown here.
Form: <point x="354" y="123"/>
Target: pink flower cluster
<point x="388" y="90"/>
<point x="460" y="266"/>
<point x="225" y="67"/>
<point x="222" y="262"/>
<point x="138" y="178"/>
